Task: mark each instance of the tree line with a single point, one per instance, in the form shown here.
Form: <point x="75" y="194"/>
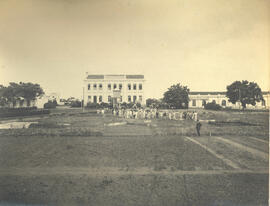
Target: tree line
<point x="18" y="92"/>
<point x="177" y="96"/>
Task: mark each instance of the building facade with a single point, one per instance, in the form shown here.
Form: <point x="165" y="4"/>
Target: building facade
<point x="198" y="99"/>
<point x="105" y="88"/>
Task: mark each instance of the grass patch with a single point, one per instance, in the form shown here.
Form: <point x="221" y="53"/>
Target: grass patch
<point x="76" y="123"/>
<point x="48" y="132"/>
<point x="46" y="125"/>
<point x="231" y="123"/>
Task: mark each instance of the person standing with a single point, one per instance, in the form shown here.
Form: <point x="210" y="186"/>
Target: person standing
<point x="195" y="116"/>
<point x="198" y="127"/>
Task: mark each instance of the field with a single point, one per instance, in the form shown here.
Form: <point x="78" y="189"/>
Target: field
<point x="72" y="157"/>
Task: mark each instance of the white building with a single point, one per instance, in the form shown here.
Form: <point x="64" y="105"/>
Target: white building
<point x="198" y="99"/>
<point x="40" y="101"/>
<point x="102" y="88"/>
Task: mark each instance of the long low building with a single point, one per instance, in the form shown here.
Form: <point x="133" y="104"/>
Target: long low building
<point x="199" y="99"/>
<point x="105" y="88"/>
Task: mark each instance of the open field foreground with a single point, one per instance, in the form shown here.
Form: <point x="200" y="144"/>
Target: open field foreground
<point x="75" y="158"/>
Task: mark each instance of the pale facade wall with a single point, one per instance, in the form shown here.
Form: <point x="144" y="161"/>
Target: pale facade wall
<point x="22" y="103"/>
<point x="39" y="102"/>
<point x="196" y="101"/>
<point x="105" y="92"/>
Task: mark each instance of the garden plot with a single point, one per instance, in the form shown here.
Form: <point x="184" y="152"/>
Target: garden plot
<point x="15" y="125"/>
<point x="75" y="159"/>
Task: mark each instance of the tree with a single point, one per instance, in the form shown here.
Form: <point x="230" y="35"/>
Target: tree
<point x="10" y="94"/>
<point x="245" y="92"/>
<point x="3" y="99"/>
<point x="30" y="91"/>
<point x="177" y="96"/>
<point x="152" y="102"/>
<point x="21" y="91"/>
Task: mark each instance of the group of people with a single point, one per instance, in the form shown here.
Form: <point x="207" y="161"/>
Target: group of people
<point x="155" y="114"/>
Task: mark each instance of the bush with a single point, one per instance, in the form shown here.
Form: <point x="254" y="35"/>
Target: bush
<point x="105" y="105"/>
<point x="212" y="106"/>
<point x="124" y="105"/>
<point x="24" y="111"/>
<point x="138" y="105"/>
<point x="76" y="103"/>
<point x="92" y="105"/>
<point x="50" y="105"/>
<point x="130" y="105"/>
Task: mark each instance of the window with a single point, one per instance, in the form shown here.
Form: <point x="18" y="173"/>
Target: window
<point x="114" y="86"/>
<point x="95" y="99"/>
<point x="89" y="98"/>
<point x="129" y="98"/>
<point x="14" y="103"/>
<point x="100" y="99"/>
<point x="263" y="102"/>
<point x="223" y="103"/>
<point x="134" y="98"/>
<point x="95" y="86"/>
<point x="21" y="102"/>
<point x="120" y="86"/>
<point x="89" y="86"/>
<point x="129" y="86"/>
<point x="109" y="86"/>
<point x="193" y="102"/>
<point x="28" y="103"/>
<point x="121" y="98"/>
<point x="100" y="86"/>
<point x="134" y="86"/>
<point x="203" y="103"/>
<point x="140" y="86"/>
<point x="140" y="98"/>
<point x="109" y="98"/>
<point x="214" y="101"/>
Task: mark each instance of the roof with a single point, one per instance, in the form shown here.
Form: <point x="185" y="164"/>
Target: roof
<point x="95" y="77"/>
<point x="216" y="93"/>
<point x="135" y="76"/>
<point x="206" y="93"/>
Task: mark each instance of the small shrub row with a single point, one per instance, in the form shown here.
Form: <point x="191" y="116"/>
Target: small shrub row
<point x="212" y="106"/>
<point x="27" y="111"/>
<point x="50" y="132"/>
<point x="50" y="105"/>
<point x="7" y="109"/>
<point x="76" y="103"/>
<point x="91" y="105"/>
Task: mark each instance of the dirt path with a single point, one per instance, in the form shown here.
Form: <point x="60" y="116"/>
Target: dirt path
<point x="256" y="152"/>
<point x="251" y="142"/>
<point x="257" y="139"/>
<point x="225" y="160"/>
<point x="113" y="171"/>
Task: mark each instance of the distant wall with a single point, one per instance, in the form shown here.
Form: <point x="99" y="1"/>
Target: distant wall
<point x="197" y="100"/>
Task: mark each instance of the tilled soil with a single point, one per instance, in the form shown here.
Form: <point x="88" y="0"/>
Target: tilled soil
<point x="133" y="164"/>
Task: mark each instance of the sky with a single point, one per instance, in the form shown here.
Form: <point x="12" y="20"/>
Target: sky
<point x="202" y="44"/>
